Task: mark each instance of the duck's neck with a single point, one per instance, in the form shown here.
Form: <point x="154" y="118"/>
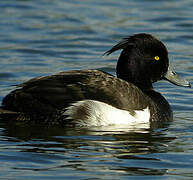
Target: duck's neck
<point x="130" y="70"/>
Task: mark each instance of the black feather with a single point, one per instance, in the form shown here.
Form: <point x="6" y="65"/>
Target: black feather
<point x="124" y="43"/>
<point x="131" y="42"/>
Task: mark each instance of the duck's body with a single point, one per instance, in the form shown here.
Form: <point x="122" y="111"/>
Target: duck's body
<point x="84" y="96"/>
<point x="46" y="98"/>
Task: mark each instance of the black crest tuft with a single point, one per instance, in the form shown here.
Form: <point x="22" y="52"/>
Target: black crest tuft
<point x="124" y="43"/>
<point x="131" y="42"/>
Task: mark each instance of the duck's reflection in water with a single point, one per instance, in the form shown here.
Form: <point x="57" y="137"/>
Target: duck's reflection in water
<point x="110" y="150"/>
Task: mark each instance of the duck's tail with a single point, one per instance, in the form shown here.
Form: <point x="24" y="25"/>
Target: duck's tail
<point x="7" y="114"/>
<point x="4" y="111"/>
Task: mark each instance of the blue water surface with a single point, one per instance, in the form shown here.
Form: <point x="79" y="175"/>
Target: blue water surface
<point x="41" y="37"/>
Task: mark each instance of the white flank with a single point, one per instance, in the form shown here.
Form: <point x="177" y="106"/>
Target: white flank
<point x="96" y="113"/>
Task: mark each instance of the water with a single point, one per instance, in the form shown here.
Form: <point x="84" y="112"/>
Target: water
<point x="41" y="37"/>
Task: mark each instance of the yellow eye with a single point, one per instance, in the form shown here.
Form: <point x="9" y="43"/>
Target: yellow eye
<point x="156" y="58"/>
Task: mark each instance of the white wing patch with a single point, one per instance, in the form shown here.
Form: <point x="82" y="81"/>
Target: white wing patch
<point x="96" y="113"/>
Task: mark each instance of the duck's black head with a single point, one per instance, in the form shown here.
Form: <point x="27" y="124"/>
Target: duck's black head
<point x="144" y="60"/>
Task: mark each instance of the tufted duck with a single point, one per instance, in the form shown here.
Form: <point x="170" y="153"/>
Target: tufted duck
<point x="96" y="98"/>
